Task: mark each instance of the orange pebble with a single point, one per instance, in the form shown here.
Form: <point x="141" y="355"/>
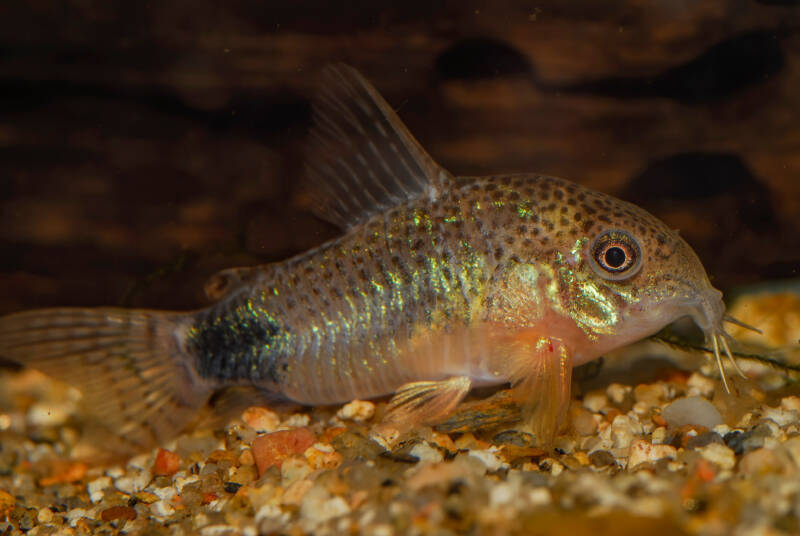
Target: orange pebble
<point x="166" y="463"/>
<point x="272" y="449"/>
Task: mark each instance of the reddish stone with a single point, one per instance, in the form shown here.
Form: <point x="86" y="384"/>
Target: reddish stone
<point x="166" y="464"/>
<point x="209" y="497"/>
<point x="65" y="473"/>
<point x="272" y="449"/>
<point x="118" y="512"/>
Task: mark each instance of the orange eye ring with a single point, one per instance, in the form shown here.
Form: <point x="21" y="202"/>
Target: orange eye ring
<point x="615" y="255"/>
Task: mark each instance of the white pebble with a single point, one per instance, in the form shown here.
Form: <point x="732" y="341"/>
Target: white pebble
<point x="426" y="453"/>
<point x="643" y="451"/>
<point x="43" y="414"/>
<point x="180" y="482"/>
<point x="719" y="454"/>
<point x="318" y="506"/>
<point x="294" y="468"/>
<point x="659" y="435"/>
<point x="45" y="515"/>
<point x="115" y="472"/>
<point x="161" y="509"/>
<point x="165" y="494"/>
<point x="700" y="385"/>
<point x="272" y="513"/>
<point x="296" y="420"/>
<point x="502" y="494"/>
<point x="692" y="410"/>
<point x="617" y="392"/>
<point x="621" y="431"/>
<point x="781" y="416"/>
<point x="76" y="514"/>
<point x="96" y="487"/>
<point x="357" y="410"/>
<point x="595" y="401"/>
<point x="540" y="496"/>
<point x="489" y="458"/>
<point x="791" y="403"/>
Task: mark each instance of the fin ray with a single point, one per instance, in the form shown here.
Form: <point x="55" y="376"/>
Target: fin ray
<point x="135" y="377"/>
<point x="362" y="158"/>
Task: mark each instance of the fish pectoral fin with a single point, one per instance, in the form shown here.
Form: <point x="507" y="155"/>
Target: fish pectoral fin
<point x="540" y="370"/>
<point x="361" y="159"/>
<point x="425" y="402"/>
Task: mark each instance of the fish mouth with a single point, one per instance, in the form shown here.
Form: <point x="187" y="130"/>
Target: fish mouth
<point x="710" y="316"/>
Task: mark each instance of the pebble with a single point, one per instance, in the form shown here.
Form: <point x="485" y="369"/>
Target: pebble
<point x="691" y="410"/>
<point x="272" y="514"/>
<point x="118" y="512"/>
<point x="296" y="420"/>
<point x="719" y="454"/>
<point x="595" y="401"/>
<point x="357" y="411"/>
<point x="294" y="468"/>
<point x="540" y="496"/>
<point x="425" y="453"/>
<point x="96" y="487"/>
<point x="323" y="456"/>
<point x="621" y="431"/>
<point x="74" y="515"/>
<point x="764" y="461"/>
<point x="7" y="501"/>
<point x="48" y="415"/>
<point x="617" y="392"/>
<point x="643" y="451"/>
<point x="261" y="419"/>
<point x="781" y="416"/>
<point x="166" y="463"/>
<point x="294" y="494"/>
<point x="700" y="385"/>
<point x="601" y="458"/>
<point x="271" y="449"/>
<point x="791" y="403"/>
<point x="318" y="506"/>
<point x="489" y="458"/>
<point x="161" y="509"/>
<point x="45" y="515"/>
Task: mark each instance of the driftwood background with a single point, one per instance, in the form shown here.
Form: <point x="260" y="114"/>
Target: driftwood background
<point x="144" y="145"/>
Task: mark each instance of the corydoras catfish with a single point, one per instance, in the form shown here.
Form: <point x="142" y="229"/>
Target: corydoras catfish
<point x="437" y="284"/>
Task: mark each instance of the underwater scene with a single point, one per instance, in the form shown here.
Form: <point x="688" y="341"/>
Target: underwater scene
<point x="387" y="269"/>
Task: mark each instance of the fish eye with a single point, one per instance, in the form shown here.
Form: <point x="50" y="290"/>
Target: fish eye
<point x="615" y="255"/>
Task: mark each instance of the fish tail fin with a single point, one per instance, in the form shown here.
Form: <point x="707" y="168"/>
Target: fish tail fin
<point x="136" y="378"/>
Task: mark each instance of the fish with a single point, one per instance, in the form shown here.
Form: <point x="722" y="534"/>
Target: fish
<point x="436" y="285"/>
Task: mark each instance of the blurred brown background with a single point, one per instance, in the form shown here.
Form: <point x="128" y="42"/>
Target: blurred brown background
<point x="144" y="145"/>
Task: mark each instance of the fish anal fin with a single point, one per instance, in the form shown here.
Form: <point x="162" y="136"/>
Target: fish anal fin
<point x="540" y="370"/>
<point x="361" y="159"/>
<point x="135" y="378"/>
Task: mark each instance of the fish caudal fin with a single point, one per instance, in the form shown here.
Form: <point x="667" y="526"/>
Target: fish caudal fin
<point x="135" y="377"/>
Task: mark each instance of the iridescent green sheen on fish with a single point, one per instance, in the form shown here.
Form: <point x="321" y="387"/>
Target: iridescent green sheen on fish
<point x="437" y="284"/>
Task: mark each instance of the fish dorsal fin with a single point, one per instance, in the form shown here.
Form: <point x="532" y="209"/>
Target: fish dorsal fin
<point x="362" y="159"/>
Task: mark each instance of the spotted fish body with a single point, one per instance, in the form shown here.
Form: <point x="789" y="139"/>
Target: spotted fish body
<point x="438" y="283"/>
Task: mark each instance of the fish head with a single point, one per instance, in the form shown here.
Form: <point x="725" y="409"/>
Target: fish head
<point x="621" y="274"/>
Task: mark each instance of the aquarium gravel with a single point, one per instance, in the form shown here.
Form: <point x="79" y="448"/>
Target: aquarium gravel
<point x="672" y="455"/>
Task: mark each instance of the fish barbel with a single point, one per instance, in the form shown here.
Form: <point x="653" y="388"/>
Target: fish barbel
<point x="438" y="284"/>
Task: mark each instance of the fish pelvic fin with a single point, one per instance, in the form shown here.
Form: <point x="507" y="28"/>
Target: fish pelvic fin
<point x="136" y="379"/>
<point x="361" y="159"/>
<point x="416" y="403"/>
